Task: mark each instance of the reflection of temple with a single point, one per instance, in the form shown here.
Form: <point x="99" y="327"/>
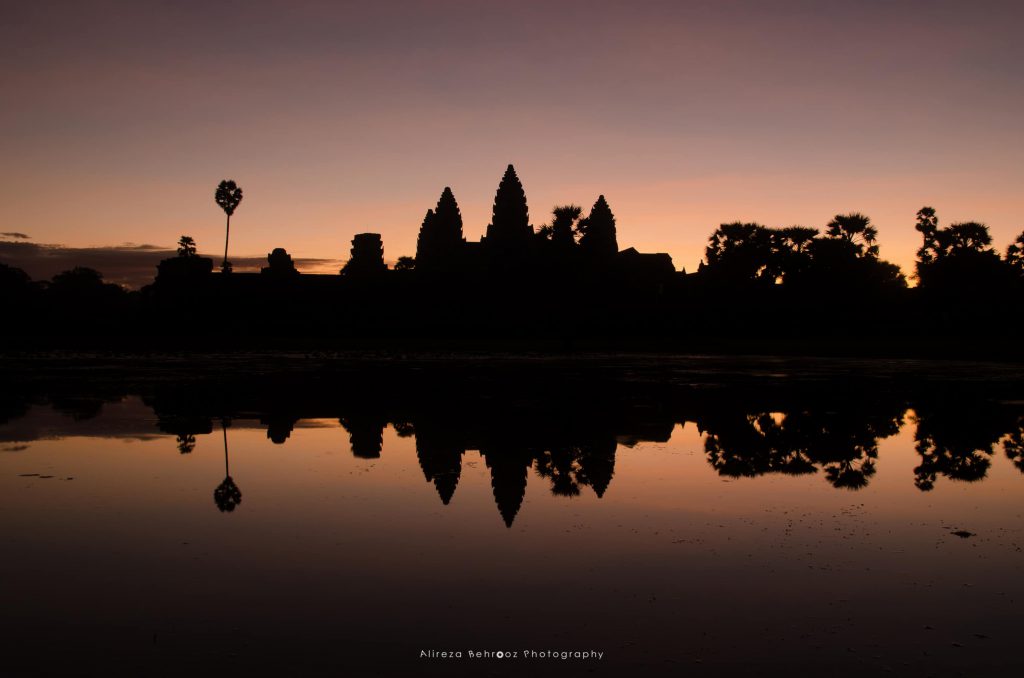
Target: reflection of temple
<point x="366" y="434"/>
<point x="279" y="427"/>
<point x="508" y="479"/>
<point x="569" y="433"/>
<point x="440" y="455"/>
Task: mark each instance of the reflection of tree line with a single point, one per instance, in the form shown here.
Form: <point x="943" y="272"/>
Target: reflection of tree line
<point x="566" y="428"/>
<point x="841" y="444"/>
<point x="955" y="440"/>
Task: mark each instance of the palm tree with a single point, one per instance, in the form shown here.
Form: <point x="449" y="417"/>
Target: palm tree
<point x="856" y="229"/>
<point x="186" y="246"/>
<point x="565" y="218"/>
<point x="1015" y="253"/>
<point x="228" y="195"/>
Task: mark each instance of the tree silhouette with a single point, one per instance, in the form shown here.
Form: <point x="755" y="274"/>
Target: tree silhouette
<point x="928" y="226"/>
<point x="791" y="252"/>
<point x="79" y="277"/>
<point x="1015" y="254"/>
<point x="967" y="236"/>
<point x="563" y="222"/>
<point x="405" y="264"/>
<point x="855" y="229"/>
<point x="16" y="288"/>
<point x="186" y="246"/>
<point x="597" y="231"/>
<point x="82" y="292"/>
<point x="957" y="266"/>
<point x="739" y="252"/>
<point x="228" y="195"/>
<point x="544" y="232"/>
<point x="749" y="251"/>
<point x="940" y="243"/>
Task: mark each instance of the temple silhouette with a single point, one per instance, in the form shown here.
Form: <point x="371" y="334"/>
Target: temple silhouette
<point x="558" y="430"/>
<point x="489" y="278"/>
<point x="562" y="286"/>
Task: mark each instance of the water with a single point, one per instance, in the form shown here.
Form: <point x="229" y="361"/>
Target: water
<point x="725" y="526"/>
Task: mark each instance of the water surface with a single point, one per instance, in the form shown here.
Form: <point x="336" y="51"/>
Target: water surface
<point x="701" y="527"/>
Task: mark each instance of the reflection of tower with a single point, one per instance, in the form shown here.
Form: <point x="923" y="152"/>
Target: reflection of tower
<point x="227" y="495"/>
<point x="597" y="464"/>
<point x="279" y="427"/>
<point x="441" y="460"/>
<point x="185" y="429"/>
<point x="366" y="435"/>
<point x="186" y="443"/>
<point x="508" y="480"/>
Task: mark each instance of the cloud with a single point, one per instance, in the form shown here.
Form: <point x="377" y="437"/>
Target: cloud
<point x="131" y="265"/>
<point x="15" y="234"/>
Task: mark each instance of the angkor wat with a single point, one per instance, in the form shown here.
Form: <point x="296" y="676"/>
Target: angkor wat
<point x="563" y="286"/>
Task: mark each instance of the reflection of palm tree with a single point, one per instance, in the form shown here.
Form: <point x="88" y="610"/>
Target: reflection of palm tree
<point x="849" y="474"/>
<point x="228" y="195"/>
<point x="227" y="495"/>
<point x="1013" y="445"/>
<point x="561" y="466"/>
<point x="958" y="447"/>
<point x="186" y="443"/>
<point x="843" y="445"/>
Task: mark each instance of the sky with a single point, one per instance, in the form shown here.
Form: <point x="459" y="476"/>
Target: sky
<point x="337" y="118"/>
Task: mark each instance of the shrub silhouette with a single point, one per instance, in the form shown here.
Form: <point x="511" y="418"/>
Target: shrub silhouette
<point x="186" y="246"/>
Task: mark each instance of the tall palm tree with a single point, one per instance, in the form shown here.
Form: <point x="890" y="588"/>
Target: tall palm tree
<point x="228" y="195"/>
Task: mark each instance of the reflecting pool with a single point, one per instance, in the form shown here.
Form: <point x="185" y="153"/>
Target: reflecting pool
<point x="641" y="520"/>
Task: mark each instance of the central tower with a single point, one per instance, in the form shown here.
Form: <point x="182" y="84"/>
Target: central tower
<point x="509" y="230"/>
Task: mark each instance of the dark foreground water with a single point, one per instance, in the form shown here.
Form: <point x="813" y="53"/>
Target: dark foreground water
<point x="626" y="519"/>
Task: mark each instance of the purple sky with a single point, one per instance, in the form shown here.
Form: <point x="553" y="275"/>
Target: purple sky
<point x="120" y="118"/>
